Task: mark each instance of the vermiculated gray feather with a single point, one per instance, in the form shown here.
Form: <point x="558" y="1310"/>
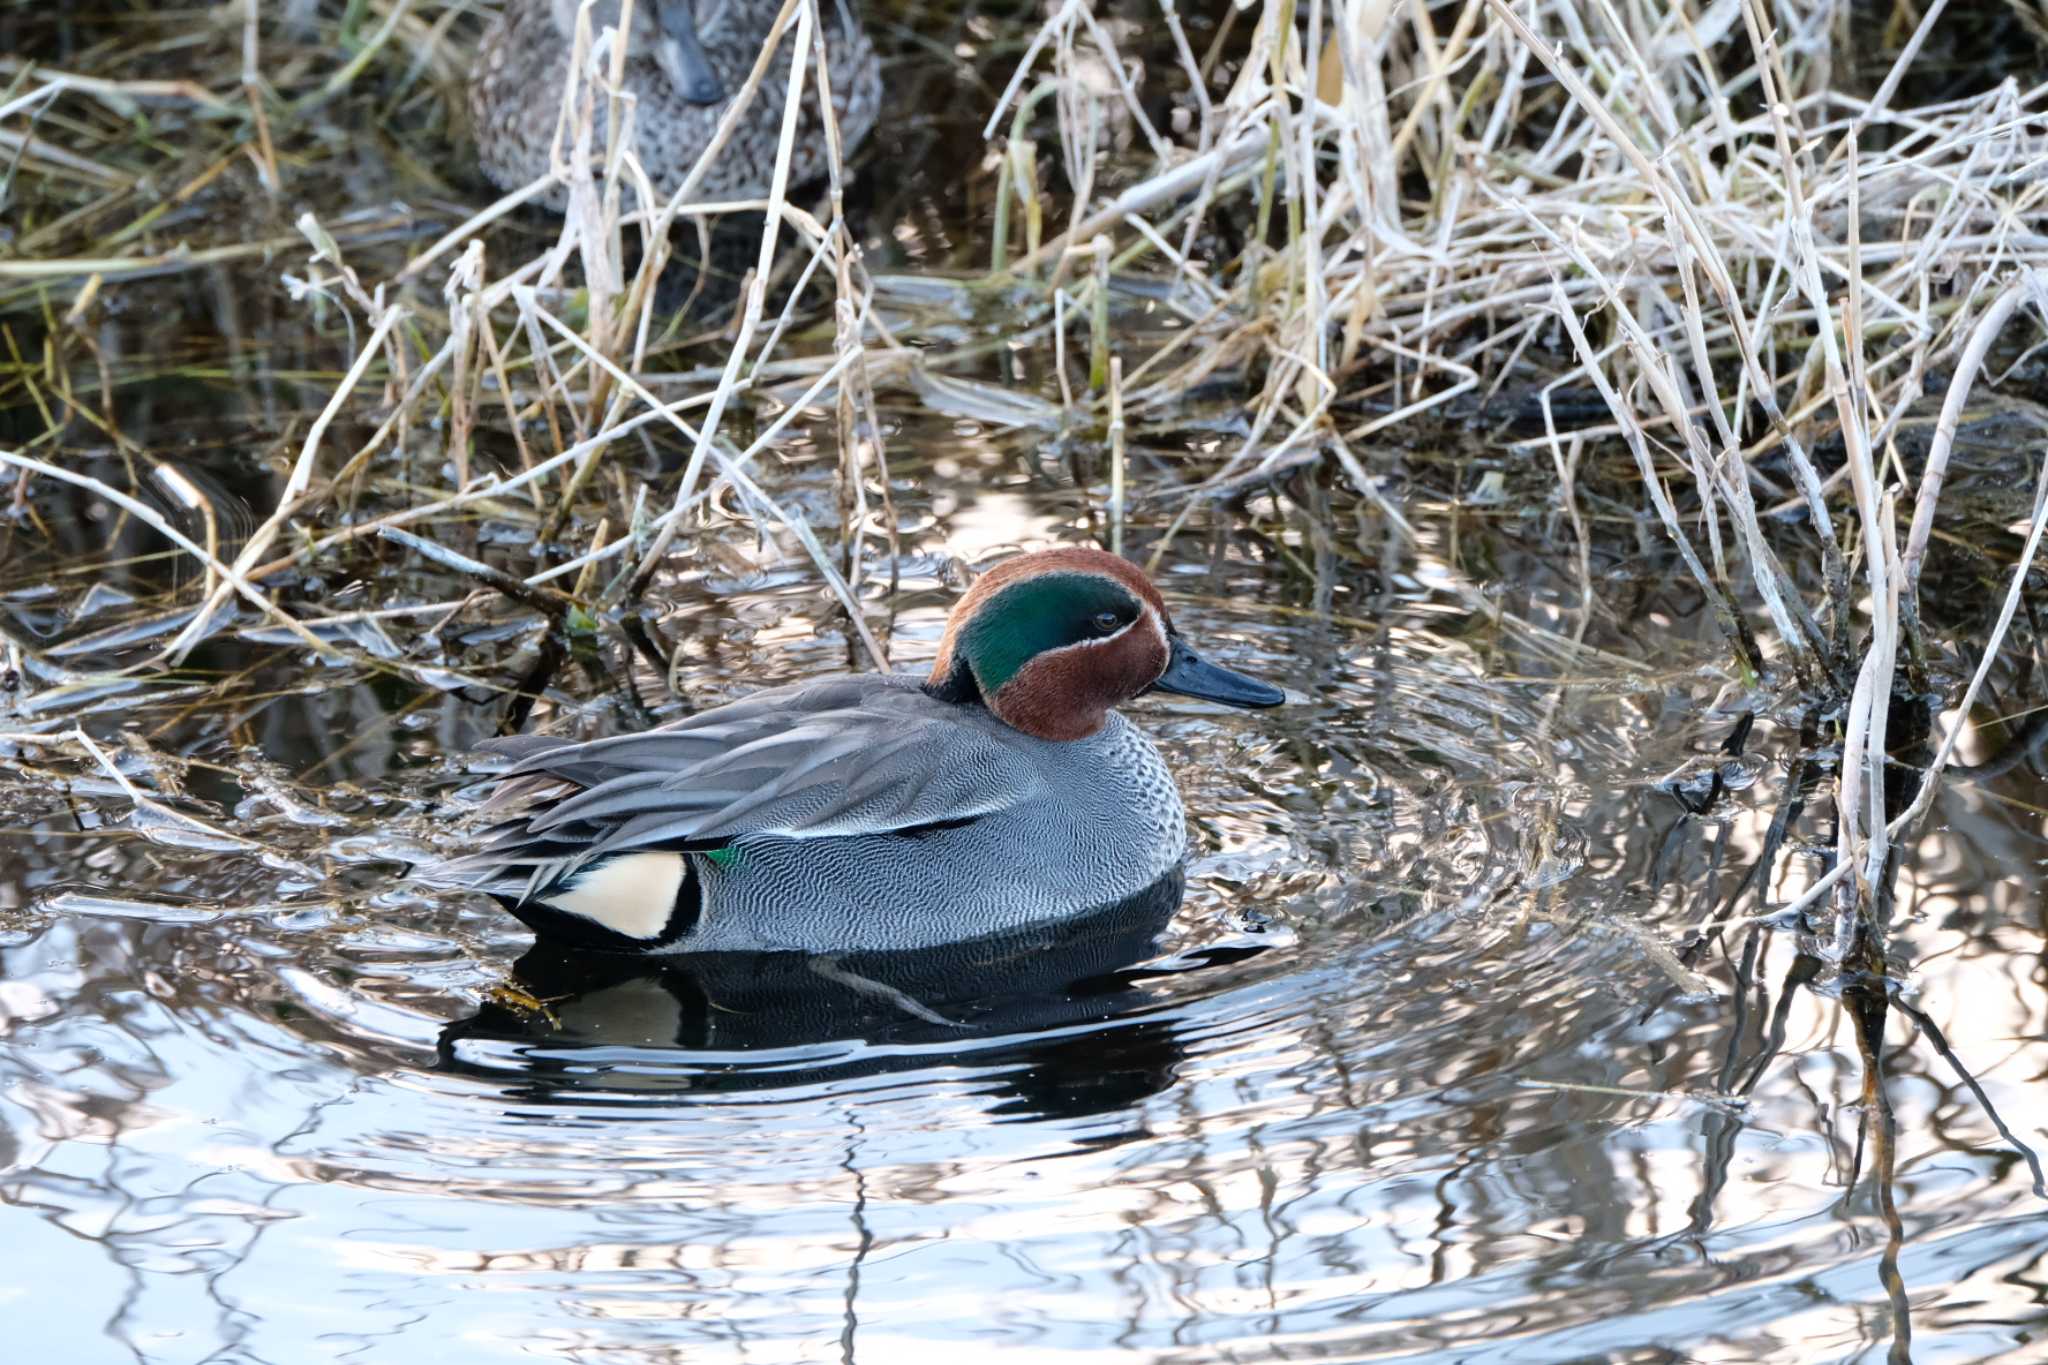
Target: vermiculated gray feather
<point x="944" y="822"/>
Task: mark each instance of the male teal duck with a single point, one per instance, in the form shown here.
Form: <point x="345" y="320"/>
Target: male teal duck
<point x="872" y="812"/>
<point x="685" y="61"/>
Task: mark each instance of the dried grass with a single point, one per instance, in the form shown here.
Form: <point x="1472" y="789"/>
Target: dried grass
<point x="1747" y="264"/>
<point x="450" y="344"/>
<point x="1677" y="206"/>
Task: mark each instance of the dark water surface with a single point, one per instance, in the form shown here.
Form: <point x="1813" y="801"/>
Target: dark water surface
<point x="1413" y="1073"/>
<point x="1431" y="1064"/>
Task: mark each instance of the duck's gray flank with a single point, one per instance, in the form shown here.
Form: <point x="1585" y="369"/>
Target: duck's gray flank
<point x="872" y="811"/>
<point x="900" y="782"/>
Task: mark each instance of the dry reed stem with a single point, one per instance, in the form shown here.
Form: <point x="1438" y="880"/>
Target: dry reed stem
<point x="501" y="331"/>
<point x="1686" y="179"/>
<point x="585" y="390"/>
<point x="1769" y="282"/>
<point x="232" y="577"/>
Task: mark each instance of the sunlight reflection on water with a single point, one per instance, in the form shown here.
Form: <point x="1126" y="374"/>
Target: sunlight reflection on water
<point x="1414" y="1073"/>
<point x="253" y="1124"/>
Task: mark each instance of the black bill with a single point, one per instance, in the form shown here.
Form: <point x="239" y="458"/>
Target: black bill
<point x="1188" y="674"/>
<point x="681" y="56"/>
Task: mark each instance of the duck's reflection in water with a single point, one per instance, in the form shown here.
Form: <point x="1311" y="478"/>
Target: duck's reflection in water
<point x="602" y="1031"/>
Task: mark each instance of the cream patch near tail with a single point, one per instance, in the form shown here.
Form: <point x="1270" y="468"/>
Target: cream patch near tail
<point x="633" y="894"/>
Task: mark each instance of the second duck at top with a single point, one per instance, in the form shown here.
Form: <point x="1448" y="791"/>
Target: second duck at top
<point x="873" y="811"/>
<point x="686" y="60"/>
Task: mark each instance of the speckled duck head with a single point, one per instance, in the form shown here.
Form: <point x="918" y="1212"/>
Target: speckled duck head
<point x="1051" y="642"/>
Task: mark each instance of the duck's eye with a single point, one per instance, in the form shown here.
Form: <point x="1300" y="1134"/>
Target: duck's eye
<point x="1107" y="623"/>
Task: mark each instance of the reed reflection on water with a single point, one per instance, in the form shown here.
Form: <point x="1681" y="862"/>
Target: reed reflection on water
<point x="1418" y="1069"/>
<point x="1465" y="1044"/>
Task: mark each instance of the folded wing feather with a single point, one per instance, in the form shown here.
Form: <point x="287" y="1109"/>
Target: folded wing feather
<point x="845" y="756"/>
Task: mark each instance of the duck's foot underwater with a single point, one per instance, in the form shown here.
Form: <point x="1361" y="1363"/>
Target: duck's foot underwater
<point x="510" y="995"/>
